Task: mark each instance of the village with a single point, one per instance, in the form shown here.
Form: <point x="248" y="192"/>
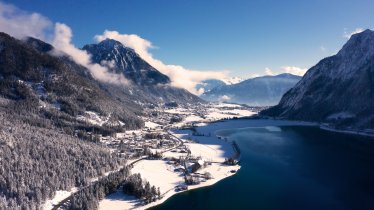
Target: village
<point x="160" y="142"/>
<point x="170" y="152"/>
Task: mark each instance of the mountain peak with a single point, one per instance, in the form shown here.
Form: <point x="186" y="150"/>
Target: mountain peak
<point x="337" y="85"/>
<point x="113" y="44"/>
<point x="122" y="59"/>
<point x="366" y="32"/>
<point x="359" y="44"/>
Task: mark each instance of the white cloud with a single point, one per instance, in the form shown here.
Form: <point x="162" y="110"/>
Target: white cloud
<point x="62" y="42"/>
<point x="254" y="75"/>
<point x="284" y="69"/>
<point x="224" y="98"/>
<point x="232" y="80"/>
<point x="180" y="76"/>
<point x="349" y="34"/>
<point x="20" y="24"/>
<point x="294" y="70"/>
<point x="323" y="48"/>
<point x="268" y="71"/>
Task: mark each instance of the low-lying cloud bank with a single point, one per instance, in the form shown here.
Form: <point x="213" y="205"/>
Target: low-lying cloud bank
<point x="21" y="24"/>
<point x="287" y="69"/>
<point x="62" y="42"/>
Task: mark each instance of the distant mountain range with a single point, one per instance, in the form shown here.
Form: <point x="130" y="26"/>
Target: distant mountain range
<point x="208" y="85"/>
<point x="338" y="90"/>
<point x="259" y="91"/>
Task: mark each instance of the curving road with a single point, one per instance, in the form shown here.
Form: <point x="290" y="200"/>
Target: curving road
<point x="180" y="143"/>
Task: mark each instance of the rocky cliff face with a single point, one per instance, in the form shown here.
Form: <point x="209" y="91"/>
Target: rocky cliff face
<point x="121" y="59"/>
<point x="145" y="81"/>
<point x="338" y="90"/>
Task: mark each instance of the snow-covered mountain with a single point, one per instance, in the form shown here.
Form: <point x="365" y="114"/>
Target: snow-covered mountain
<point x="146" y="82"/>
<point x="121" y="59"/>
<point x="259" y="91"/>
<point x="339" y="89"/>
<point x="54" y="89"/>
<point x="209" y="84"/>
<point x="232" y="80"/>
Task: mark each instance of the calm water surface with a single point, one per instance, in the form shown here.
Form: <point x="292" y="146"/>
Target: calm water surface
<point x="291" y="168"/>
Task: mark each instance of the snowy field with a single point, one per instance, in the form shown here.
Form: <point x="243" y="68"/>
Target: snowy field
<point x="59" y="196"/>
<point x="149" y="124"/>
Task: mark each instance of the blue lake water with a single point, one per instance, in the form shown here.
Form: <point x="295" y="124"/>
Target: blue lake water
<point x="290" y="167"/>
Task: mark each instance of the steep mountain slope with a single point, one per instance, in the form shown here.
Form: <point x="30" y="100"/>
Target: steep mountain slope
<point x="146" y="82"/>
<point x="44" y="101"/>
<point x="36" y="162"/>
<point x="46" y="89"/>
<point x="339" y="89"/>
<point x="124" y="60"/>
<point x="259" y="91"/>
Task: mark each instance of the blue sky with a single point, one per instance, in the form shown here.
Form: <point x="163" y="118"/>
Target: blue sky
<point x="244" y="37"/>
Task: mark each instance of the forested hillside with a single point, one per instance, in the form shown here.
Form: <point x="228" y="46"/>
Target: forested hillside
<point x="57" y="90"/>
<point x="35" y="162"/>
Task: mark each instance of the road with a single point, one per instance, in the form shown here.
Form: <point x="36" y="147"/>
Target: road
<point x="132" y="163"/>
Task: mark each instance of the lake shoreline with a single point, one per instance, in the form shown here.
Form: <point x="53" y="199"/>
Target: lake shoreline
<point x="282" y="164"/>
<point x="208" y="146"/>
<point x="209" y="129"/>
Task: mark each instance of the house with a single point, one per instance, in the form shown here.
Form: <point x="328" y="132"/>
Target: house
<point x="179" y="169"/>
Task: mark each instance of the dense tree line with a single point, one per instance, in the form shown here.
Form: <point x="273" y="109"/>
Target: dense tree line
<point x="135" y="185"/>
<point x="89" y="197"/>
<point x="153" y="136"/>
<point x="36" y="162"/>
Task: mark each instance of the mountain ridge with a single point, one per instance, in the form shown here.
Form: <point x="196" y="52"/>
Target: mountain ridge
<point x="148" y="83"/>
<point x="54" y="89"/>
<point x="258" y="91"/>
<point x="338" y="90"/>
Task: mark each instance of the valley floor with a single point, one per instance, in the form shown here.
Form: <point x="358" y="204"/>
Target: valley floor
<point x="199" y="144"/>
<point x="205" y="145"/>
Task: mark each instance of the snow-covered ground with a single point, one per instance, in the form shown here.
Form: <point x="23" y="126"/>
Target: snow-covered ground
<point x="216" y="113"/>
<point x="62" y="194"/>
<point x="162" y="175"/>
<point x="96" y="119"/>
<point x="208" y="146"/>
<point x="177" y="111"/>
<point x="367" y="132"/>
<point x="149" y="124"/>
<point x="59" y="196"/>
<point x="92" y="118"/>
<point x="227" y="105"/>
